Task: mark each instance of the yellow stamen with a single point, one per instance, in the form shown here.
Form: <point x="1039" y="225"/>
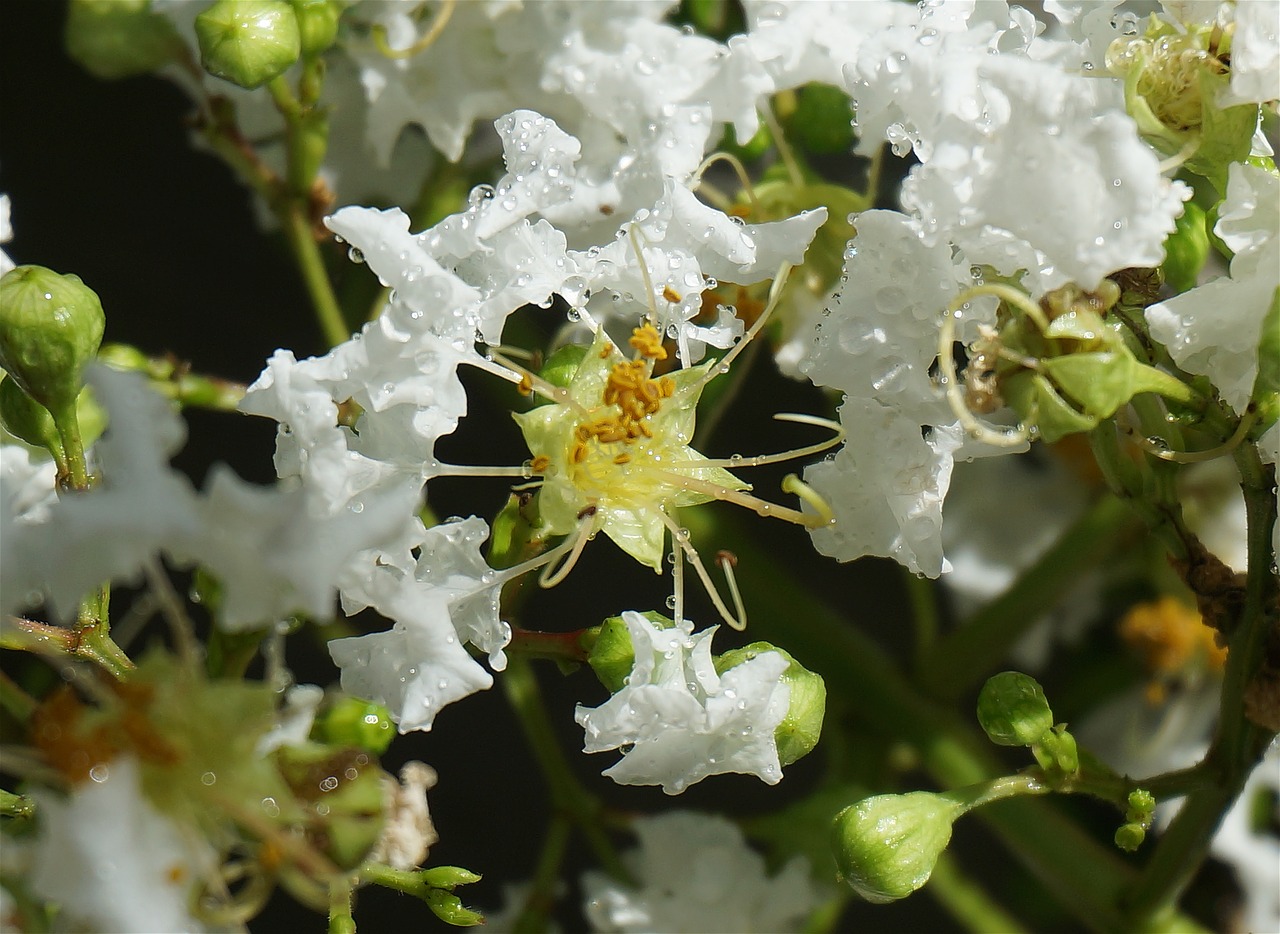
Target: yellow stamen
<point x="646" y="339"/>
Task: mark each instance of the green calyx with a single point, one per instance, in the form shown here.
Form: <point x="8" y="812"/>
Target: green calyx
<point x="50" y="328"/>
<point x="248" y="42"/>
<point x="886" y="846"/>
<point x="1068" y="372"/>
<point x="1013" y="711"/>
<point x="119" y="38"/>
<point x="317" y="24"/>
<point x="612" y="655"/>
<point x="800" y="729"/>
<point x="1186" y="249"/>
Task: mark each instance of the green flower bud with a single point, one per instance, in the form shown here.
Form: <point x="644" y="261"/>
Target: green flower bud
<point x="1057" y="753"/>
<point x="1130" y="836"/>
<point x="1142" y="805"/>
<point x="317" y="24"/>
<point x="124" y="357"/>
<point x="561" y="366"/>
<point x="50" y="327"/>
<point x="886" y="846"/>
<point x="1186" y="249"/>
<point x="449" y="909"/>
<point x="449" y="877"/>
<point x="248" y="42"/>
<point x="118" y="38"/>
<point x="27" y="419"/>
<point x="799" y="730"/>
<point x="612" y="656"/>
<point x="353" y="721"/>
<point x="823" y="119"/>
<point x="1013" y="710"/>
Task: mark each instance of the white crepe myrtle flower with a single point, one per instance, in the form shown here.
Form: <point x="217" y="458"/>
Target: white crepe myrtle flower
<point x="695" y="872"/>
<point x="680" y="721"/>
<point x="408" y="834"/>
<point x="1214" y="330"/>
<point x="112" y="862"/>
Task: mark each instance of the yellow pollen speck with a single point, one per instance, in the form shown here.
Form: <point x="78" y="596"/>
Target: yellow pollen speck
<point x="176" y="874"/>
<point x="648" y="342"/>
<point x="525" y="386"/>
<point x="623" y="458"/>
<point x="540" y="464"/>
<point x="670" y="294"/>
<point x="606" y="351"/>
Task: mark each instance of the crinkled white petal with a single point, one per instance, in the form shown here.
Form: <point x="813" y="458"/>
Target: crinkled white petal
<point x="418" y="666"/>
<point x="112" y="862"/>
<point x="695" y="872"/>
<point x="681" y="721"/>
<point x="886" y="487"/>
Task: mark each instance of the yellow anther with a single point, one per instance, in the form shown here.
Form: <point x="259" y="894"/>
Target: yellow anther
<point x="525" y="386"/>
<point x="623" y="458"/>
<point x="646" y="339"/>
<point x="1172" y="640"/>
<point x="540" y="464"/>
<point x="579" y="452"/>
<point x="667" y="386"/>
<point x="606" y="351"/>
<point x="670" y="294"/>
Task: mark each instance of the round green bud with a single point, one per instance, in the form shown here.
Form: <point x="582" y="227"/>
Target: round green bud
<point x="1142" y="805"/>
<point x="1186" y="249"/>
<point x="799" y="730"/>
<point x="30" y="421"/>
<point x="1130" y="836"/>
<point x="317" y="24"/>
<point x="353" y="721"/>
<point x="118" y="38"/>
<point x="1013" y="710"/>
<point x="449" y="877"/>
<point x="50" y="328"/>
<point x="886" y="846"/>
<point x="823" y="119"/>
<point x="248" y="42"/>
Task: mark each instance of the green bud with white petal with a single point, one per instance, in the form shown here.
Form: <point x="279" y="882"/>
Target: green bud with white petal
<point x="800" y="729"/>
<point x="1013" y="710"/>
<point x="886" y="846"/>
<point x="50" y="328"/>
<point x="248" y="42"/>
<point x="119" y="38"/>
<point x="611" y="654"/>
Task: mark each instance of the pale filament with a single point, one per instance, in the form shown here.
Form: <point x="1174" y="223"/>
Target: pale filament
<point x="775" y="295"/>
<point x="759" y="460"/>
<point x="504" y="368"/>
<point x="680" y="537"/>
<point x="1190" y="457"/>
<point x="379" y="33"/>
<point x="759" y="506"/>
<point x="743" y="178"/>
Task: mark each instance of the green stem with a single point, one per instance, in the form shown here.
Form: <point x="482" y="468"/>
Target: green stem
<point x="14" y="699"/>
<point x="966" y="901"/>
<point x="341" y="920"/>
<point x="1128" y="481"/>
<point x="91" y="643"/>
<point x="1239" y="742"/>
<point x="567" y="794"/>
<point x="542" y="891"/>
<point x="314" y="276"/>
<point x="963" y="657"/>
<point x="924" y="615"/>
<point x="68" y="424"/>
<point x="555" y="646"/>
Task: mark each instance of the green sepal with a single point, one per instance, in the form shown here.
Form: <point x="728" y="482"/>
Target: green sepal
<point x="1186" y="249"/>
<point x="1100" y="383"/>
<point x="514" y="530"/>
<point x="560" y="368"/>
<point x="1037" y="403"/>
<point x="118" y="38"/>
<point x="612" y="656"/>
<point x="800" y="729"/>
<point x="28" y="420"/>
<point x="248" y="42"/>
<point x="823" y="119"/>
<point x="886" y="846"/>
<point x="449" y="909"/>
<point x="1226" y="133"/>
<point x="1013" y="710"/>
